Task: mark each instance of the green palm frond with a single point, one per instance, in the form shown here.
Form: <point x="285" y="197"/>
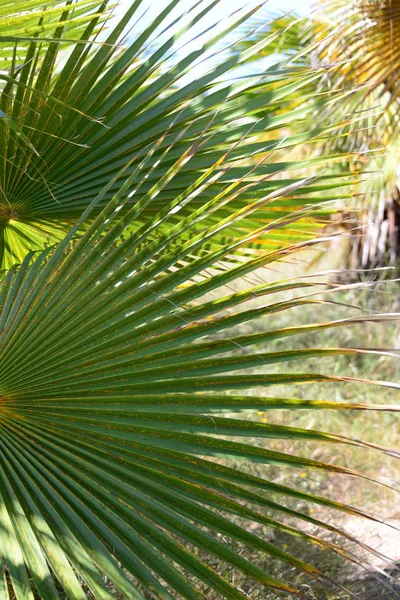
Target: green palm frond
<point x="73" y="114"/>
<point x="119" y="361"/>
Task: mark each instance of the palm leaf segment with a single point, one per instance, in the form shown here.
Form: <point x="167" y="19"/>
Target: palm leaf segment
<point x="117" y="366"/>
<point x="73" y="113"/>
<point x="363" y="53"/>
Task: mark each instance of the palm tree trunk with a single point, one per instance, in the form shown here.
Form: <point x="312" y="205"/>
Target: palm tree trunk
<point x="376" y="242"/>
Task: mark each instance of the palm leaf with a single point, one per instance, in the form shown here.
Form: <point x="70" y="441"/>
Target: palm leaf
<point x="25" y="25"/>
<point x="118" y="366"/>
<point x="72" y="118"/>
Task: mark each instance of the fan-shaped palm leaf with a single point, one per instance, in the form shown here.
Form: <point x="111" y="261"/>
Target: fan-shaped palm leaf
<point x="117" y="365"/>
<point x="71" y="118"/>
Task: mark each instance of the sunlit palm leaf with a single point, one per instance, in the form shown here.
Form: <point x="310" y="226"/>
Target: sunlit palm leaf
<point x="68" y="129"/>
<point x="30" y="21"/>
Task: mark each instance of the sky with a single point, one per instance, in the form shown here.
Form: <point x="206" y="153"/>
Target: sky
<point x="300" y="6"/>
<point x="214" y="22"/>
<point x="224" y="13"/>
<point x="221" y="12"/>
<point x="219" y="17"/>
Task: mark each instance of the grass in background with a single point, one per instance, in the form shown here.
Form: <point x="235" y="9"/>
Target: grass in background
<point x="383" y="429"/>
